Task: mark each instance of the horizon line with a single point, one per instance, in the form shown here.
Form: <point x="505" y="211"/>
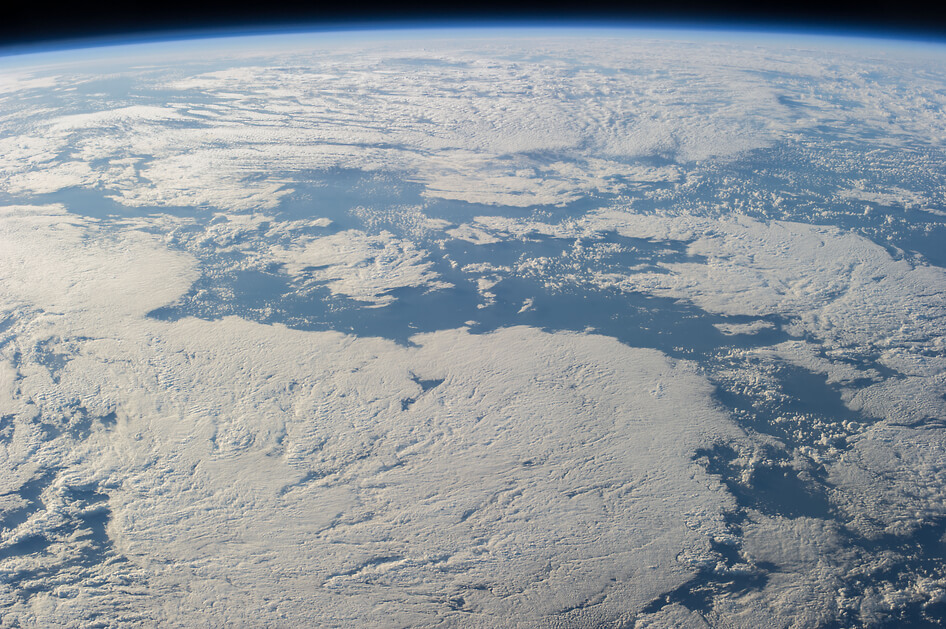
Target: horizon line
<point x="790" y="28"/>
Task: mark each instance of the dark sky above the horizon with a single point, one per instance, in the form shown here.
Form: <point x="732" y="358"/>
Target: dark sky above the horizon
<point x="35" y="23"/>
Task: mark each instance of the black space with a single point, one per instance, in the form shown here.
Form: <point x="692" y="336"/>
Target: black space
<point x="37" y="24"/>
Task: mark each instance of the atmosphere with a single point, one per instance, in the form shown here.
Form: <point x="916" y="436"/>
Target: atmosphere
<point x="26" y="23"/>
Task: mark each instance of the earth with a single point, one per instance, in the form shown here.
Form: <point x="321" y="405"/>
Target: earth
<point x="479" y="328"/>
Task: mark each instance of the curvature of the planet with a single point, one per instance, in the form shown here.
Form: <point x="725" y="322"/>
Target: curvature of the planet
<point x="474" y="328"/>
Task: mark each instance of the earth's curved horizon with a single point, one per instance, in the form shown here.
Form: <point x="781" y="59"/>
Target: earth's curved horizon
<point x="474" y="327"/>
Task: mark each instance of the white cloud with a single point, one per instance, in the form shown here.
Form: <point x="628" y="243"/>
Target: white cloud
<point x="18" y="81"/>
<point x="487" y="124"/>
<point x="838" y="286"/>
<point x="75" y="272"/>
<point x="752" y="327"/>
<point x="279" y="471"/>
<point x="357" y="265"/>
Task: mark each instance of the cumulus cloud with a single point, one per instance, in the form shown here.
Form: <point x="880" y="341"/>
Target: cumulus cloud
<point x="480" y="125"/>
<point x="539" y="475"/>
<point x="358" y="265"/>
